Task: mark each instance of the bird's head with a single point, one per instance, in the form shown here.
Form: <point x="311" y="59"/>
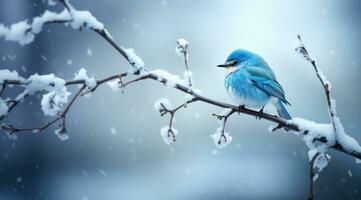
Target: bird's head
<point x="237" y="59"/>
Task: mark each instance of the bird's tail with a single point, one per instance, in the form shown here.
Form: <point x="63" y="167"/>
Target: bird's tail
<point x="282" y="111"/>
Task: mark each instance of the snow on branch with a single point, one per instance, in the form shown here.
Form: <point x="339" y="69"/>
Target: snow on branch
<point x="24" y="32"/>
<point x="333" y="133"/>
<point x="56" y="101"/>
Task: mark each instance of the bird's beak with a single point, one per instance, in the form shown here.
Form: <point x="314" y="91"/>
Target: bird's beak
<point x="228" y="64"/>
<point x="222" y="65"/>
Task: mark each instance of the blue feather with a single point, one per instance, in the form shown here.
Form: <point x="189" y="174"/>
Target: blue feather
<point x="252" y="82"/>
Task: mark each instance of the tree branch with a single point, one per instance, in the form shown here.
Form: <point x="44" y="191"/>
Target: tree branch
<point x="138" y="69"/>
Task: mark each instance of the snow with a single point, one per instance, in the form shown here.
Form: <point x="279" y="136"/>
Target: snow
<point x="315" y="131"/>
<point x="84" y="19"/>
<point x="167" y="136"/>
<point x="181" y="47"/>
<point x="89" y="52"/>
<point x="24" y="32"/>
<point x="349" y="173"/>
<point x="171" y="79"/>
<point x="158" y="105"/>
<point x="134" y="59"/>
<point x="61" y="134"/>
<point x="358" y="161"/>
<point x="90" y="83"/>
<point x="114" y="85"/>
<point x="3" y="108"/>
<point x="219" y="140"/>
<point x="48" y="16"/>
<point x="52" y="102"/>
<point x="321" y="161"/>
<point x="47" y="82"/>
<point x="51" y="3"/>
<point x="113" y="131"/>
<point x="9" y="75"/>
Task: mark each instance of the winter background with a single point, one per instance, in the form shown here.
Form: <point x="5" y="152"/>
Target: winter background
<point x="115" y="150"/>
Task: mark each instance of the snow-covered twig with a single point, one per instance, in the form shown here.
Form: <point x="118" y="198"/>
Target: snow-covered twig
<point x="163" y="106"/>
<point x="182" y="50"/>
<point x="167" y="78"/>
<point x="336" y="137"/>
<point x="222" y="138"/>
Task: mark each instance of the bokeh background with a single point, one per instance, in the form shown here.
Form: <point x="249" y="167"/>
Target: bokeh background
<point x="115" y="150"/>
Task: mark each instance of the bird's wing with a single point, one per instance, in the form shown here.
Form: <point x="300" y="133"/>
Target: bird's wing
<point x="262" y="70"/>
<point x="269" y="86"/>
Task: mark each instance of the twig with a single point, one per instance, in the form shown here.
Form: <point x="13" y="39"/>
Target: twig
<point x="11" y="129"/>
<point x="223" y="127"/>
<point x="312" y="175"/>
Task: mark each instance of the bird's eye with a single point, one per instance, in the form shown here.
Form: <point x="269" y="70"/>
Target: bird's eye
<point x="235" y="62"/>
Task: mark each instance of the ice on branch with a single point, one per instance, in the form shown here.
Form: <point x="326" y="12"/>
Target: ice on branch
<point x="162" y="106"/>
<point x="182" y="46"/>
<point x="90" y="83"/>
<point x="24" y="31"/>
<point x="3" y="108"/>
<point x="300" y="48"/>
<point x="168" y="134"/>
<point x="9" y="75"/>
<point x="170" y="79"/>
<point x="134" y="59"/>
<point x="221" y="138"/>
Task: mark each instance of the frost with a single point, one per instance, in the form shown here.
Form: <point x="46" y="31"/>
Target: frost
<point x="89" y="82"/>
<point x="134" y="59"/>
<point x="168" y="135"/>
<point x="9" y="75"/>
<point x="181" y="47"/>
<point x="61" y="134"/>
<point x="162" y="104"/>
<point x="3" y="108"/>
<point x="221" y="140"/>
<point x="171" y="79"/>
<point x="300" y="48"/>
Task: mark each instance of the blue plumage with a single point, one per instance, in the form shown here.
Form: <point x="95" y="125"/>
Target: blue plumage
<point x="252" y="83"/>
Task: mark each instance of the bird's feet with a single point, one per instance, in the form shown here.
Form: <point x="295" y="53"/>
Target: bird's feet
<point x="260" y="113"/>
<point x="241" y="107"/>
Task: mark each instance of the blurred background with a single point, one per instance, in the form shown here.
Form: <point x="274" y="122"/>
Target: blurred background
<point x="115" y="150"/>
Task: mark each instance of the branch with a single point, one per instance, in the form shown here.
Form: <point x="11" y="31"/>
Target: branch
<point x="138" y="68"/>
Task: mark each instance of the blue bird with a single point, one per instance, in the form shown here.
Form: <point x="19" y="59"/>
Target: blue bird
<point x="250" y="82"/>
